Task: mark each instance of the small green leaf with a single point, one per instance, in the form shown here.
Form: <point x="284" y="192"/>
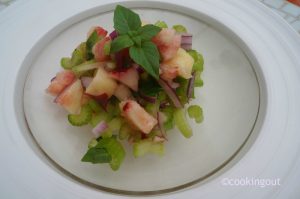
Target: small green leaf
<point x="161" y="24"/>
<point x="148" y="31"/>
<point x="97" y="155"/>
<point x="137" y="41"/>
<point x="180" y="28"/>
<point x="149" y="87"/>
<point x="91" y="41"/>
<point x="125" y="20"/>
<point x="147" y="56"/>
<point x="120" y="42"/>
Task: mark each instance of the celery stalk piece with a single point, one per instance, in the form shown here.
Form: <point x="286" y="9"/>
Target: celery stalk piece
<point x="182" y="123"/>
<point x="196" y="112"/>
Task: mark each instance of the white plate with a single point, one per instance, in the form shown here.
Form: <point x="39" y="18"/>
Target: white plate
<point x="230" y="99"/>
<point x="271" y="46"/>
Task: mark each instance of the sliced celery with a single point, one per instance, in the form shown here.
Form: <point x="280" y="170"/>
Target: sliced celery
<point x="169" y="114"/>
<point x="95" y="106"/>
<point x="182" y="123"/>
<point x="65" y="62"/>
<point x="161" y="24"/>
<point x="147" y="146"/>
<point x="124" y="132"/>
<point x="78" y="57"/>
<point x="97" y="117"/>
<point x="92" y="143"/>
<point x="83" y="118"/>
<point x="195" y="112"/>
<point x="180" y="28"/>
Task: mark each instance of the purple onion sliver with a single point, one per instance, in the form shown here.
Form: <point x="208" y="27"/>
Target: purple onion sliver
<point x="171" y="93"/>
<point x="139" y="69"/>
<point x="186" y="39"/>
<point x="99" y="128"/>
<point x="148" y="98"/>
<point x="53" y="78"/>
<point x="86" y="81"/>
<point x="186" y="46"/>
<point x="163" y="104"/>
<point x="113" y="34"/>
<point x="190" y="86"/>
<point x="161" y="124"/>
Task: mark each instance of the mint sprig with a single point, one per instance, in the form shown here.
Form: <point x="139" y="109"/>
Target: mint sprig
<point x="137" y="38"/>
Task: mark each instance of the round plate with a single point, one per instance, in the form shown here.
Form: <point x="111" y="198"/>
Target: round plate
<point x="25" y="172"/>
<point x="230" y="99"/>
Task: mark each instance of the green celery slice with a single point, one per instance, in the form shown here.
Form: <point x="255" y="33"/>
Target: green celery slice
<point x="161" y="24"/>
<point x="65" y="62"/>
<point x="195" y="112"/>
<point x="182" y="123"/>
<point x="145" y="146"/>
<point x="83" y="118"/>
<point x="180" y="28"/>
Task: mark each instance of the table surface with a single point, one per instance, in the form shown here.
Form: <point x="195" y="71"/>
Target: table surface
<point x="288" y="9"/>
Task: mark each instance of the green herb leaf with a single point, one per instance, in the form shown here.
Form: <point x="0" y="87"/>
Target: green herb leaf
<point x="97" y="155"/>
<point x="115" y="149"/>
<point x="147" y="56"/>
<point x="148" y="31"/>
<point x="149" y="87"/>
<point x="125" y="20"/>
<point x="91" y="41"/>
<point x="137" y="41"/>
<point x="120" y="42"/>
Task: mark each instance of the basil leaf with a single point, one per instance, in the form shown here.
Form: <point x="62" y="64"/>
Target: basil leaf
<point x="125" y="20"/>
<point x="120" y="42"/>
<point x="137" y="41"/>
<point x="97" y="155"/>
<point x="115" y="149"/>
<point x="147" y="56"/>
<point x="148" y="31"/>
<point x="91" y="41"/>
<point x="149" y="87"/>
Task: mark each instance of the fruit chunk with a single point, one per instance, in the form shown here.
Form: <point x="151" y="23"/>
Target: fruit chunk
<point x="70" y="97"/>
<point x="129" y="77"/>
<point x="137" y="116"/>
<point x="62" y="80"/>
<point x="168" y="42"/>
<point x="101" y="84"/>
<point x="122" y="92"/>
<point x="181" y="64"/>
<point x="100" y="31"/>
<point x="99" y="49"/>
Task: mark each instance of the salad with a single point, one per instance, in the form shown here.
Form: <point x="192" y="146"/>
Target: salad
<point x="132" y="85"/>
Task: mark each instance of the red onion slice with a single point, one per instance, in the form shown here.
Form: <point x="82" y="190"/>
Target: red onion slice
<point x="53" y="78"/>
<point x="99" y="128"/>
<point x="86" y="81"/>
<point x="113" y="34"/>
<point x="148" y="98"/>
<point x="186" y="41"/>
<point x="186" y="46"/>
<point x="190" y="86"/>
<point x="160" y="119"/>
<point x="171" y="93"/>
